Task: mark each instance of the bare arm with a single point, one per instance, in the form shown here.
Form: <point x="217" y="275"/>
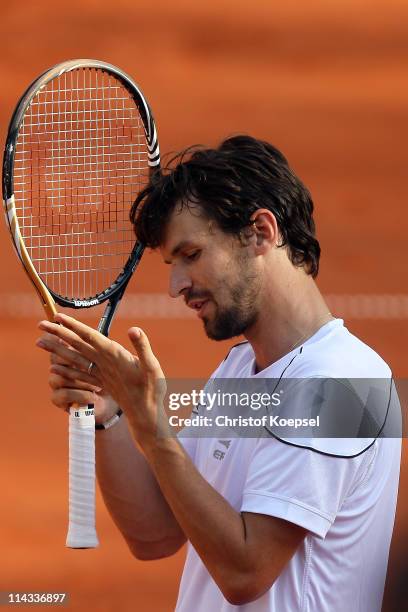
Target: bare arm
<point x="129" y="488"/>
<point x="133" y="497"/>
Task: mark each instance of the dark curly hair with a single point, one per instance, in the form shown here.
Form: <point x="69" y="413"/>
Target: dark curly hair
<point x="230" y="183"/>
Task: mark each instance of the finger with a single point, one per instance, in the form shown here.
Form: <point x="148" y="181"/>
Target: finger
<point x="89" y="335"/>
<point x="54" y="358"/>
<point x="143" y="349"/>
<point x="61" y="353"/>
<point x="65" y="397"/>
<point x="70" y="337"/>
<point x="57" y="381"/>
<point x="52" y="339"/>
<point x="73" y="374"/>
<point x="80" y="362"/>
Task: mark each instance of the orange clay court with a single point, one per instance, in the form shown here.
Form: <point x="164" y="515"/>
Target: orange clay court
<point x="327" y="85"/>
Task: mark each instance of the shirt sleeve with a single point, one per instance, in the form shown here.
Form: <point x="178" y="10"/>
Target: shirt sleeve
<point x="297" y="484"/>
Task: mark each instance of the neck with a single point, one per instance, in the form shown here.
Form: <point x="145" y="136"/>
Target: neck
<point x="287" y="319"/>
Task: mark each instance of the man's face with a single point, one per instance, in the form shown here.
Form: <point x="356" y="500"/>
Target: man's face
<point x="213" y="271"/>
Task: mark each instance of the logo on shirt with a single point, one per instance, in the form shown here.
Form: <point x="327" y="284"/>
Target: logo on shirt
<point x="219" y="454"/>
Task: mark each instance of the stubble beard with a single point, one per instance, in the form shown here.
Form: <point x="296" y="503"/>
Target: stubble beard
<point x="234" y="320"/>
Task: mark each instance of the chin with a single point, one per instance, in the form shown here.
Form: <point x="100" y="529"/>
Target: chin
<point x="229" y="323"/>
<point x="219" y="333"/>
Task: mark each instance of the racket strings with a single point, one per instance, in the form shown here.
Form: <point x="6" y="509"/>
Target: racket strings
<point x="80" y="161"/>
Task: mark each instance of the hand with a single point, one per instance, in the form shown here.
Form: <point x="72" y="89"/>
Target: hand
<point x="135" y="382"/>
<point x="70" y="382"/>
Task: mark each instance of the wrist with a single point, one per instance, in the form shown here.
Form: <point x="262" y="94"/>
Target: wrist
<point x="110" y="422"/>
<point x="156" y="447"/>
<point x="149" y="427"/>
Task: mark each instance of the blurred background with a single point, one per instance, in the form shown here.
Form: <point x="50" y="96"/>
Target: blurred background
<point x="323" y="81"/>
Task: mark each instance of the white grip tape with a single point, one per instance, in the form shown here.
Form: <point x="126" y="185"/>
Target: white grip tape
<point x="81" y="528"/>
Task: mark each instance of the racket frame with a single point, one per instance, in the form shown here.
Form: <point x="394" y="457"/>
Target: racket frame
<point x="49" y="298"/>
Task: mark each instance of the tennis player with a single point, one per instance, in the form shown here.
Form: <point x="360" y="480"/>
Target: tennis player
<point x="271" y="525"/>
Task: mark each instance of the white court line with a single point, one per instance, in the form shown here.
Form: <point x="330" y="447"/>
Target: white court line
<point x="161" y="306"/>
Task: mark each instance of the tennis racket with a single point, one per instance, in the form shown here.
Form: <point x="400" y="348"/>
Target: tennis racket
<point x="81" y="145"/>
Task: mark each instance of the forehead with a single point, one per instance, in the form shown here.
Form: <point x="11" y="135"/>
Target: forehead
<point x="187" y="223"/>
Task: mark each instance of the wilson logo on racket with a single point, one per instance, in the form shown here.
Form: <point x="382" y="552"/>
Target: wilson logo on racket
<point x="86" y="303"/>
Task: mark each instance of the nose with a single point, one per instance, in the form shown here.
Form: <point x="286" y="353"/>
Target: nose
<point x="179" y="282"/>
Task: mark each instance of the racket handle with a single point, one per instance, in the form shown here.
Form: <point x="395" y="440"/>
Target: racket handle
<point x="81" y="528"/>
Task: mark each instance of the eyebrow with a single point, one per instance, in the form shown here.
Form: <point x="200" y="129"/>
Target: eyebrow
<point x="179" y="247"/>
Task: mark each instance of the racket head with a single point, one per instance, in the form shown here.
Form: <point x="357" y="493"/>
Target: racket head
<point x="81" y="144"/>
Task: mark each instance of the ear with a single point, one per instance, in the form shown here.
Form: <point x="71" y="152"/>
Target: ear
<point x="265" y="230"/>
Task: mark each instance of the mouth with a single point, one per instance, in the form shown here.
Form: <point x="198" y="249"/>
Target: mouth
<point x="198" y="306"/>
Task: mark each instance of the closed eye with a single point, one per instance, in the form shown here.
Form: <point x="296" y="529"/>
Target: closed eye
<point x="193" y="256"/>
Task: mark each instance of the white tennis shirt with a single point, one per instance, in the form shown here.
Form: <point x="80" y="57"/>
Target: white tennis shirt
<point x="346" y="504"/>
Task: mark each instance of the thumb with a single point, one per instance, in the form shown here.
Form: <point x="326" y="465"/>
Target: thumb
<point x="143" y="349"/>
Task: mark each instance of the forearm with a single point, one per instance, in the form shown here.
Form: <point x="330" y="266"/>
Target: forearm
<point x="133" y="497"/>
<point x="211" y="524"/>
